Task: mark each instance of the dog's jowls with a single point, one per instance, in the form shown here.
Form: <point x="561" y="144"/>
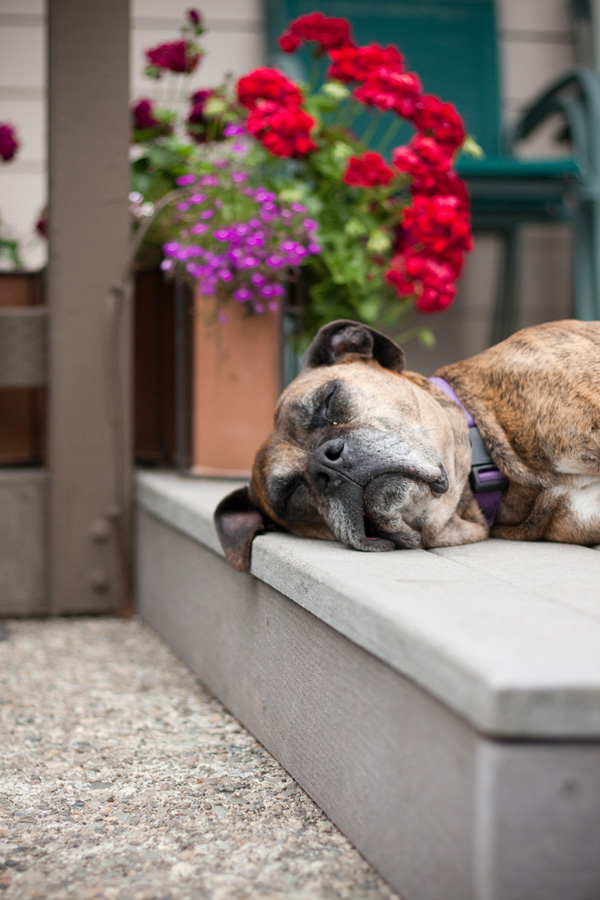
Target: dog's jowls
<point x="373" y="456"/>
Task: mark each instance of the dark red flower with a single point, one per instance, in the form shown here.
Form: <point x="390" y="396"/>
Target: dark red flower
<point x="330" y="33"/>
<point x="174" y="56"/>
<point x="388" y="90"/>
<point x="194" y="17"/>
<point x="201" y="127"/>
<point x="358" y="63"/>
<point x="41" y="226"/>
<point x="368" y="170"/>
<point x="143" y="115"/>
<point x="267" y="84"/>
<point x="8" y="141"/>
<point x="283" y="130"/>
<point x="440" y="120"/>
<point x="144" y="118"/>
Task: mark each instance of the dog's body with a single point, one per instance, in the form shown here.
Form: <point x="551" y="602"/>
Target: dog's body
<point x="378" y="458"/>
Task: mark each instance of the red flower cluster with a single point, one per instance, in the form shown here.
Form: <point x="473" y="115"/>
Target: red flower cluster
<point x="435" y="230"/>
<point x="440" y="121"/>
<point x="435" y="280"/>
<point x="143" y="115"/>
<point x="276" y="116"/>
<point x="283" y="130"/>
<point x="8" y="141"/>
<point x="267" y="84"/>
<point x="368" y="170"/>
<point x="388" y="90"/>
<point x="357" y="63"/>
<point x="144" y="119"/>
<point x="329" y="33"/>
<point x="173" y="56"/>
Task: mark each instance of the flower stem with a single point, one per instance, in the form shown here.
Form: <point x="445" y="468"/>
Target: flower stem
<point x="389" y="135"/>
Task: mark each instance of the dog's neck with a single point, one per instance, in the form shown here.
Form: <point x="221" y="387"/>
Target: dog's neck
<point x="487" y="482"/>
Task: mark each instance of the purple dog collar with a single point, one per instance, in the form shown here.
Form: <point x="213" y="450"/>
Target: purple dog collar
<point x="487" y="482"/>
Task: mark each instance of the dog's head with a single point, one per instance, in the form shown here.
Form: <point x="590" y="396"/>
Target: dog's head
<point x="361" y="452"/>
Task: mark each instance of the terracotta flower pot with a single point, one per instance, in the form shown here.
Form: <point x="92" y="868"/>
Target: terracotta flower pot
<point x="236" y="380"/>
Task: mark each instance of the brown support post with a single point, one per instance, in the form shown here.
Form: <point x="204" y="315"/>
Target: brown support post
<point x="89" y="413"/>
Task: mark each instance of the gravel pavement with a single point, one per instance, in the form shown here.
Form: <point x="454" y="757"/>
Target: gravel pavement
<point x="122" y="778"/>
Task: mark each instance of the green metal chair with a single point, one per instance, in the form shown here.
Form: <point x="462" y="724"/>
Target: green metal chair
<point x="452" y="45"/>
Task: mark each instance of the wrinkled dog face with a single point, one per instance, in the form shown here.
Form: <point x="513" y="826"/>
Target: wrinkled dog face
<point x="356" y="456"/>
<point x="360" y="453"/>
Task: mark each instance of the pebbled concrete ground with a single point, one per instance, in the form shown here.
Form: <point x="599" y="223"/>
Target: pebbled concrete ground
<point x="122" y="778"/>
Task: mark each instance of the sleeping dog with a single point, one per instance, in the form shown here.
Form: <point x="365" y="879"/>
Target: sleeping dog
<point x="363" y="452"/>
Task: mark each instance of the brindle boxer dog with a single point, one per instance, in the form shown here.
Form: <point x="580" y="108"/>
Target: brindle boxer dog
<point x="373" y="456"/>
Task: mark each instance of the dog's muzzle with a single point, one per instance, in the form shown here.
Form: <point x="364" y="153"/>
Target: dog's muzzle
<point x="336" y="460"/>
<point x="344" y="475"/>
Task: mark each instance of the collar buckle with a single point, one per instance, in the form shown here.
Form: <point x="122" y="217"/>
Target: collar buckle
<point x="485" y="478"/>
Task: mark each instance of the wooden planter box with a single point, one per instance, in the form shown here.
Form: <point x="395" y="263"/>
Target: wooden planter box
<point x="154" y="369"/>
<point x="22" y="407"/>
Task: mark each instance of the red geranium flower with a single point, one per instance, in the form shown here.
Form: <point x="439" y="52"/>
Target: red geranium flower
<point x="367" y="170"/>
<point x="388" y="90"/>
<point x="440" y="120"/>
<point x="144" y="119"/>
<point x="430" y="166"/>
<point x="8" y="141"/>
<point x="174" y="56"/>
<point x="283" y="130"/>
<point x="420" y="155"/>
<point x="143" y="115"/>
<point x="429" y="279"/>
<point x="267" y="84"/>
<point x="329" y="33"/>
<point x="439" y="223"/>
<point x="289" y="43"/>
<point x="357" y="63"/>
<point x="195" y="19"/>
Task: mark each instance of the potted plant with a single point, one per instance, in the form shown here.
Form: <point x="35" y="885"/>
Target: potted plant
<point x="375" y="231"/>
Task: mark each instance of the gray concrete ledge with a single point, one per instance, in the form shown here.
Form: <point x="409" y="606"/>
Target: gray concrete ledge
<point x="506" y="634"/>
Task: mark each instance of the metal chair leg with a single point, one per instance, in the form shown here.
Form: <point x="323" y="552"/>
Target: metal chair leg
<point x="506" y="311"/>
<point x="585" y="280"/>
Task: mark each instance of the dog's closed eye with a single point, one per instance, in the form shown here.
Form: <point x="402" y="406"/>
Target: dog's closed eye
<point x="327" y="406"/>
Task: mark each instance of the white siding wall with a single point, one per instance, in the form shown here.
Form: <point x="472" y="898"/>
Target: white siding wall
<point x="536" y="47"/>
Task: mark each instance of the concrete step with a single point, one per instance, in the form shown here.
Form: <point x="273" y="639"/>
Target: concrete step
<point x="442" y="707"/>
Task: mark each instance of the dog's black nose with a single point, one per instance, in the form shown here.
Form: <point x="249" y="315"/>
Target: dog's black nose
<point x="326" y="461"/>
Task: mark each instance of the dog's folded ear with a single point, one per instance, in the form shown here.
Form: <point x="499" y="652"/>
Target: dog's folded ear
<point x="238" y="522"/>
<point x="339" y="338"/>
